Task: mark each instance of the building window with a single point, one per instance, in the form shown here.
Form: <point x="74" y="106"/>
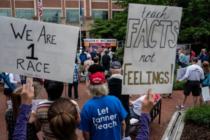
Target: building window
<point x="25" y="14"/>
<point x="52" y="15"/>
<point x="100" y="14"/>
<point x="72" y="16"/>
<point x="6" y="13"/>
<point x="114" y="12"/>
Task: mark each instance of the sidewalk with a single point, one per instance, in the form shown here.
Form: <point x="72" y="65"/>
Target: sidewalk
<point x="156" y="130"/>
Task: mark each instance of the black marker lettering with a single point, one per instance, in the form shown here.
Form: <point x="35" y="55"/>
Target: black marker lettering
<point x="165" y="24"/>
<point x="27" y="35"/>
<point x="45" y="68"/>
<point x="131" y="24"/>
<point x="142" y="34"/>
<point x="39" y="63"/>
<point x="30" y="65"/>
<point x="174" y="31"/>
<point x="42" y="34"/>
<point x="19" y="61"/>
<point x="53" y="39"/>
<point x="18" y="34"/>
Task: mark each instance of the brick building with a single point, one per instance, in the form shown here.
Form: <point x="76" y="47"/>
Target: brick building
<point x="61" y="11"/>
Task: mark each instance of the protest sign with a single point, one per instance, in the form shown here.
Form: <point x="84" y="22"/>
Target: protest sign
<point x="205" y="94"/>
<point x="150" y="49"/>
<point x="34" y="104"/>
<point x="180" y="73"/>
<point x="38" y="49"/>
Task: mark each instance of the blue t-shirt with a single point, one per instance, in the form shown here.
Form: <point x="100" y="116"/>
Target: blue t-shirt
<point x="101" y="116"/>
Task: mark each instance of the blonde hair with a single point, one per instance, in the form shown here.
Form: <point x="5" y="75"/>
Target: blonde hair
<point x="98" y="90"/>
<point x="205" y="66"/>
<point x="63" y="119"/>
<point x="16" y="102"/>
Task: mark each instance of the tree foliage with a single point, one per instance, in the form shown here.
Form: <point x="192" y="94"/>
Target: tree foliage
<point x="195" y="22"/>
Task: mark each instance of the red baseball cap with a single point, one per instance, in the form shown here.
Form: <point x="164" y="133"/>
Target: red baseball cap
<point x="97" y="79"/>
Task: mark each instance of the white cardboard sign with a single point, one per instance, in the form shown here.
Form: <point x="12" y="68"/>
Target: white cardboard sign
<point x="34" y="104"/>
<point x="205" y="94"/>
<point x="38" y="49"/>
<point x="150" y="49"/>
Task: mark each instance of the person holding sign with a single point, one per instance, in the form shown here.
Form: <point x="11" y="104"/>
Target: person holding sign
<point x="12" y="114"/>
<point x="193" y="75"/>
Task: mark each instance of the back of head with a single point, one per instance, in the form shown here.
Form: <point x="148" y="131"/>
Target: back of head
<point x="16" y="101"/>
<point x="106" y="51"/>
<point x="95" y="60"/>
<point x="205" y="66"/>
<point x="54" y="89"/>
<point x="98" y="85"/>
<point x="63" y="119"/>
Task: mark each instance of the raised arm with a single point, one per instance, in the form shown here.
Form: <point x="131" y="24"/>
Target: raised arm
<point x="22" y="120"/>
<point x="147" y="104"/>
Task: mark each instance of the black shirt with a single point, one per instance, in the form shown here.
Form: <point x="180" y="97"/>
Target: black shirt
<point x="95" y="68"/>
<point x="106" y="59"/>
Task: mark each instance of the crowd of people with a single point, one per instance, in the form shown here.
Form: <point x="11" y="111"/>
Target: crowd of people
<point x="196" y="76"/>
<point x="106" y="116"/>
<point x="102" y="117"/>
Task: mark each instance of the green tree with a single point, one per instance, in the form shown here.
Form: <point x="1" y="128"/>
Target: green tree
<point x="195" y="22"/>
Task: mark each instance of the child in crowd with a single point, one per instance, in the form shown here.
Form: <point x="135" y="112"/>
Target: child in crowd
<point x="12" y="114"/>
<point x="64" y="119"/>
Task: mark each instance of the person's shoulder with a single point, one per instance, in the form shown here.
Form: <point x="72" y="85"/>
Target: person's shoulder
<point x="9" y="111"/>
<point x="111" y="97"/>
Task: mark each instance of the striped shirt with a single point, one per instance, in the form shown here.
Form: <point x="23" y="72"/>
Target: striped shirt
<point x="42" y="110"/>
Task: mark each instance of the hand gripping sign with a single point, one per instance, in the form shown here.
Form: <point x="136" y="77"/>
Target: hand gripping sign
<point x="38" y="49"/>
<point x="149" y="59"/>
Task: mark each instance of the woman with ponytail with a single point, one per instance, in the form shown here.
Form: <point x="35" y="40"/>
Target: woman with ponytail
<point x="63" y="119"/>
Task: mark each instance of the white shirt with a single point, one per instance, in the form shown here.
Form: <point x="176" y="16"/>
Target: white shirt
<point x="11" y="79"/>
<point x="193" y="73"/>
<point x="137" y="105"/>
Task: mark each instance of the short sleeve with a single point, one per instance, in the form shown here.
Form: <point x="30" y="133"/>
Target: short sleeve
<point x="84" y="124"/>
<point x="77" y="68"/>
<point x="122" y="112"/>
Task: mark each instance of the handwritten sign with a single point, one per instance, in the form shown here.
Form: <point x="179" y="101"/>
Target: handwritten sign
<point x="38" y="49"/>
<point x="150" y="49"/>
<point x="180" y="73"/>
<point x="205" y="94"/>
<point x="34" y="104"/>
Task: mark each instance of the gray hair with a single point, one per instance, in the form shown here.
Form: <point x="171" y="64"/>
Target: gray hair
<point x="116" y="70"/>
<point x="98" y="90"/>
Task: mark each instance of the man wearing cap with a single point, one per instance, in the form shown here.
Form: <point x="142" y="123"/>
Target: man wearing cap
<point x="193" y="75"/>
<point x="115" y="88"/>
<point x="103" y="116"/>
